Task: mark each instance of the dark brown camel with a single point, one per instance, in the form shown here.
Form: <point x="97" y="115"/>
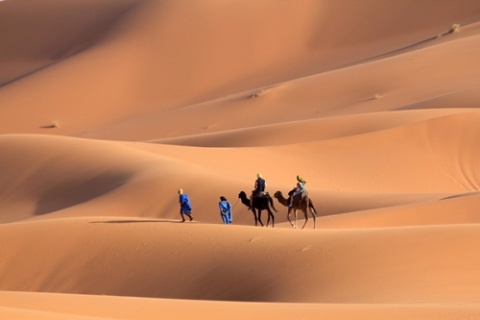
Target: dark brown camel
<point x="300" y="202"/>
<point x="260" y="203"/>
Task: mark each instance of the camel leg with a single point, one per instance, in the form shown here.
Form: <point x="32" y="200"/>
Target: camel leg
<point x="314" y="219"/>
<point x="306" y="218"/>
<point x="255" y="217"/>
<point x="314" y="214"/>
<point x="260" y="217"/>
<point x="288" y="217"/>
<point x="270" y="214"/>
<point x="296" y="217"/>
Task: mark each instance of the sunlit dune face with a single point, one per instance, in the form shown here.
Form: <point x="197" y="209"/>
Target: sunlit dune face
<point x="108" y="107"/>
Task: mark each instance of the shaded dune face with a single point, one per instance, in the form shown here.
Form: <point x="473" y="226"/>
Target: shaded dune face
<point x="53" y="177"/>
<point x="39" y="34"/>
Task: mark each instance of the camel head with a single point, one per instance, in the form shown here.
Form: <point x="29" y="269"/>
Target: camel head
<point x="278" y="194"/>
<point x="242" y="195"/>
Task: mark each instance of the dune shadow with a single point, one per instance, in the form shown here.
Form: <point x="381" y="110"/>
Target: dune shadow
<point x="138" y="221"/>
<point x="49" y="126"/>
<point x="459" y="195"/>
<point x="415" y="45"/>
<point x="68" y="192"/>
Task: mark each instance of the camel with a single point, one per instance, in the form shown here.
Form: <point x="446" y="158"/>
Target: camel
<point x="260" y="203"/>
<point x="299" y="203"/>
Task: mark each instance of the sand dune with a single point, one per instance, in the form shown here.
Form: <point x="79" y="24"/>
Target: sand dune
<point x="108" y="107"/>
<point x="34" y="41"/>
<point x="105" y="307"/>
<point x="131" y="258"/>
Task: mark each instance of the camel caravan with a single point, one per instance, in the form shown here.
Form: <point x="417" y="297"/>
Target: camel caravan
<point x="261" y="200"/>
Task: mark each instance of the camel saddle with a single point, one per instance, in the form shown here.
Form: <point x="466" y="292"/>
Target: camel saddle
<point x="300" y="195"/>
<point x="261" y="194"/>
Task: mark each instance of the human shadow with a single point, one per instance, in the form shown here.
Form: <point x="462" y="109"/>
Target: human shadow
<point x="138" y="221"/>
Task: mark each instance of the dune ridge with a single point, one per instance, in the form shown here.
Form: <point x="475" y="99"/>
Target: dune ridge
<point x="107" y="108"/>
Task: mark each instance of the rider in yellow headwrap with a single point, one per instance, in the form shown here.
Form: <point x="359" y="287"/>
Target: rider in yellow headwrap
<point x="299" y="189"/>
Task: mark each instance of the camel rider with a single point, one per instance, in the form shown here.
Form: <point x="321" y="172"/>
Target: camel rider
<point x="299" y="189"/>
<point x="259" y="187"/>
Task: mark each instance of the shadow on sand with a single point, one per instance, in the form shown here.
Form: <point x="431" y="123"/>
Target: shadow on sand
<point x="138" y="221"/>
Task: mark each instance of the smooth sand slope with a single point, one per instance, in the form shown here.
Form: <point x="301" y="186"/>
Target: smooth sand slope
<point x="108" y="107"/>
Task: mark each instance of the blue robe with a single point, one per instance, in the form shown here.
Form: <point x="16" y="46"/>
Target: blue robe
<point x="185" y="206"/>
<point x="225" y="211"/>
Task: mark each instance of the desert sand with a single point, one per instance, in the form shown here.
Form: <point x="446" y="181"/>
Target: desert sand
<point x="108" y="107"/>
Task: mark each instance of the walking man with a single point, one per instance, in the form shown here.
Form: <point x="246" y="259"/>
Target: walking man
<point x="185" y="206"/>
<point x="225" y="210"/>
